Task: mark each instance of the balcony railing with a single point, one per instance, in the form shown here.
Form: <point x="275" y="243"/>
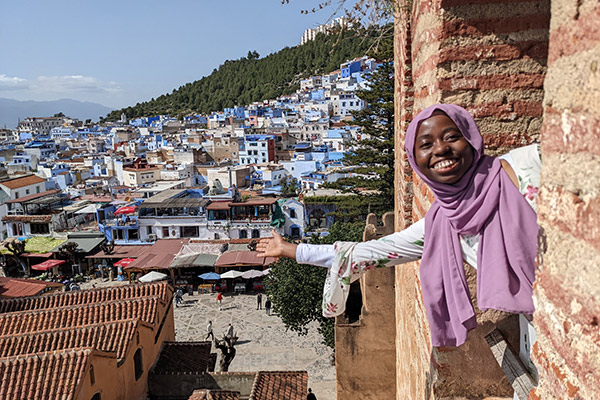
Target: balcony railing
<point x="132" y="222"/>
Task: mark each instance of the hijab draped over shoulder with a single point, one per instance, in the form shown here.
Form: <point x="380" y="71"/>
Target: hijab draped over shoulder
<point x="484" y="202"/>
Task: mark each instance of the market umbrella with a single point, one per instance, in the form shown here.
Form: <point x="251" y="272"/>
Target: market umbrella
<point x="231" y="274"/>
<point x="253" y="273"/>
<point x="153" y="276"/>
<point x="124" y="262"/>
<point x="210" y="276"/>
<point x="125" y="210"/>
<point x="47" y="265"/>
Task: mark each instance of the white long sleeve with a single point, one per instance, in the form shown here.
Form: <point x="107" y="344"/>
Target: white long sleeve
<point x="315" y="254"/>
<point x="399" y="247"/>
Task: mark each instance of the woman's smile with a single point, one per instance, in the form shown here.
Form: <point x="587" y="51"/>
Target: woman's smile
<point x="441" y="151"/>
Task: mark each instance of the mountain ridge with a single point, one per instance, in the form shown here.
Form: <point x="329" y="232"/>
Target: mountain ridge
<point x="12" y="110"/>
<point x="249" y="79"/>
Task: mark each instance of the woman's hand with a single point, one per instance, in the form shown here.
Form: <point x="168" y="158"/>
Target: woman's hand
<point x="276" y="246"/>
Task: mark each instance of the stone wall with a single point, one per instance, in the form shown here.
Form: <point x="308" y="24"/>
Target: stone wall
<point x="365" y="349"/>
<point x="567" y="290"/>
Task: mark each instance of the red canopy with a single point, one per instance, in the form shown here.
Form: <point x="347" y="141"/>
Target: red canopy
<point x="124" y="262"/>
<point x="48" y="264"/>
<point x="125" y="210"/>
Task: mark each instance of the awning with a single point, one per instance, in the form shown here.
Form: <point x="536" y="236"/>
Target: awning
<point x="40" y="255"/>
<point x="194" y="260"/>
<point x="47" y="265"/>
<point x="89" y="209"/>
<point x="242" y="258"/>
<point x="218" y="205"/>
<point x="86" y="241"/>
<point x="124" y="262"/>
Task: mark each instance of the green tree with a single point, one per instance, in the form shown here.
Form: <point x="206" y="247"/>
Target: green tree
<point x="253" y="79"/>
<point x="296" y="290"/>
<point x="374" y="156"/>
<point x="289" y="187"/>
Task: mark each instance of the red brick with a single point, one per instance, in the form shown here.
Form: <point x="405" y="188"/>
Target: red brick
<point x="493" y="82"/>
<point x="561" y="296"/>
<point x="454" y="3"/>
<point x="578" y="363"/>
<point x="575" y="36"/>
<point x="499" y="52"/>
<point x="429" y="36"/>
<point x="582" y="137"/>
<point x="572" y="215"/>
<point x="480" y="27"/>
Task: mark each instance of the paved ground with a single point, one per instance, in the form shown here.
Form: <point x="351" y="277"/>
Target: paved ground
<point x="263" y="342"/>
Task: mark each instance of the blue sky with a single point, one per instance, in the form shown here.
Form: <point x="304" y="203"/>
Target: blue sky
<point x="117" y="53"/>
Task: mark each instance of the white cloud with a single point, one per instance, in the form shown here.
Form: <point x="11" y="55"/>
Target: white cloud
<point x="12" y="83"/>
<point x="70" y="84"/>
<point x="76" y="87"/>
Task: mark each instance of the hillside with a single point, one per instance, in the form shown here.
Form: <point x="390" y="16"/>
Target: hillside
<point x="240" y="82"/>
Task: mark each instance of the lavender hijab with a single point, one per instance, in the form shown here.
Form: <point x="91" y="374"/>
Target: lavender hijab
<point x="485" y="202"/>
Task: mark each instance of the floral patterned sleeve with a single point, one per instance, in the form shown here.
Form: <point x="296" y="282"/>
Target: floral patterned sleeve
<point x="351" y="260"/>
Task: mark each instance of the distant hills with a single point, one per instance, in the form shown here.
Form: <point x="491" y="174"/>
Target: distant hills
<point x="241" y="82"/>
<point x="12" y="110"/>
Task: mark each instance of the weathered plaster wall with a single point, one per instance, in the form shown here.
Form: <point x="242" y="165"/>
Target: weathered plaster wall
<point x="567" y="290"/>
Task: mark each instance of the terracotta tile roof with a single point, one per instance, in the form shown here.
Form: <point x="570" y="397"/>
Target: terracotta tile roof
<point x="184" y="357"/>
<point x="56" y="318"/>
<point x="162" y="290"/>
<point x="276" y="385"/>
<point x="123" y="251"/>
<point x="16" y="183"/>
<point x="159" y="255"/>
<point x="16" y="287"/>
<point x="112" y="337"/>
<point x="43" y="376"/>
<point x="214" y="394"/>
<point x="242" y="258"/>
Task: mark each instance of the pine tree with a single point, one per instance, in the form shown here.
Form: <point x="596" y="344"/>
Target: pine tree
<point x="375" y="154"/>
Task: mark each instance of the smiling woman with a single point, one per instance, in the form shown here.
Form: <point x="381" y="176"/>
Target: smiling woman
<point x="441" y="152"/>
<point x="479" y="215"/>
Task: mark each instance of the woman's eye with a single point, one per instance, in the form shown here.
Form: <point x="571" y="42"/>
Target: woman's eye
<point x="424" y="145"/>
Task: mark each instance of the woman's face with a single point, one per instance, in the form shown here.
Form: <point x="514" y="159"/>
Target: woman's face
<point x="442" y="153"/>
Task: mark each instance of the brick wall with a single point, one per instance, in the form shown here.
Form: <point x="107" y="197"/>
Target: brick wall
<point x="567" y="291"/>
<point x="489" y="57"/>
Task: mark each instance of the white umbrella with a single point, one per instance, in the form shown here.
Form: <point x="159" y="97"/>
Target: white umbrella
<point x="231" y="274"/>
<point x="153" y="276"/>
<point x="253" y="273"/>
<point x="266" y="271"/>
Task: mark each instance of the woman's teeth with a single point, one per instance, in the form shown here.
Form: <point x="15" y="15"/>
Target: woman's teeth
<point x="444" y="164"/>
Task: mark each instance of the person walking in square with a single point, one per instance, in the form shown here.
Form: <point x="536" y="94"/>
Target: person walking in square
<point x="311" y="395"/>
<point x="209" y="331"/>
<point x="178" y="297"/>
<point x="259" y="301"/>
<point x="220" y="300"/>
<point x="229" y="333"/>
<point x="268" y="306"/>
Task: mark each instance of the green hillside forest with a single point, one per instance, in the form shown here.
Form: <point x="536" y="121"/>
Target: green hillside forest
<point x="251" y="78"/>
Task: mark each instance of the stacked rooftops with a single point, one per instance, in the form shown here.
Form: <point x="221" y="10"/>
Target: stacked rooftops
<point x="47" y="342"/>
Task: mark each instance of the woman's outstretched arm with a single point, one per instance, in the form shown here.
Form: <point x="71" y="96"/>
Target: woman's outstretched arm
<point x="397" y="248"/>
